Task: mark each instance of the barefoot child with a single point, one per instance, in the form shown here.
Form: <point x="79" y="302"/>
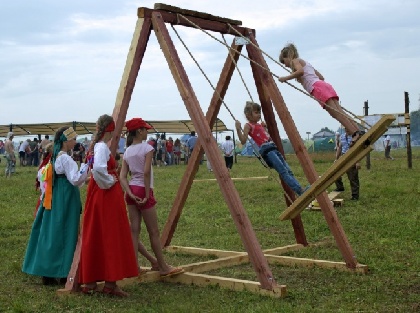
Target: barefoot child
<point x="314" y="83"/>
<point x="139" y="194"/>
<point x="267" y="148"/>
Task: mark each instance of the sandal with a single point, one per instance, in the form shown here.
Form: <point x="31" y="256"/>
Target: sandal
<point x="89" y="290"/>
<point x="114" y="291"/>
<point x="142" y="271"/>
<point x="172" y="272"/>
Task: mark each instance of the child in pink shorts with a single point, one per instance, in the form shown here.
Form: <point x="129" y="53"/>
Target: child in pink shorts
<point x="139" y="196"/>
<point x="314" y="83"/>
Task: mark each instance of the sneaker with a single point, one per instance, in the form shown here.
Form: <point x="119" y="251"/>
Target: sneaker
<point x="338" y="189"/>
<point x="304" y="189"/>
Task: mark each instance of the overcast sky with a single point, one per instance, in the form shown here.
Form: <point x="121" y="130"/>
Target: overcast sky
<point x="63" y="60"/>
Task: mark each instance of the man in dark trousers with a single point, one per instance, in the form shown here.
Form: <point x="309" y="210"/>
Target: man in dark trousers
<point x="353" y="172"/>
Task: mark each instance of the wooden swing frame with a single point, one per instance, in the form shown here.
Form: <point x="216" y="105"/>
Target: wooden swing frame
<point x="269" y="96"/>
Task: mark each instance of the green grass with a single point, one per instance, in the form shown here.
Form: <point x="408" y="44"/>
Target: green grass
<point x="382" y="227"/>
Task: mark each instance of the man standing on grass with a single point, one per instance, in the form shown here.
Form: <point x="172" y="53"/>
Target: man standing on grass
<point x="228" y="150"/>
<point x="10" y="155"/>
<point x="191" y="142"/>
<point x="387" y="147"/>
<point x="353" y="172"/>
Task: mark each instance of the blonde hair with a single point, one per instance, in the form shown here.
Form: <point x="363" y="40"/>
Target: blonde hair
<point x="290" y="52"/>
<point x="251" y="107"/>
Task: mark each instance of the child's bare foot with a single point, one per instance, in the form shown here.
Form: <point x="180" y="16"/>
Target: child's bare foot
<point x="155" y="267"/>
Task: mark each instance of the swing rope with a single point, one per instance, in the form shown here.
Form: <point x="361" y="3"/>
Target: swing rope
<point x="237" y="68"/>
<point x="212" y="86"/>
<point x="256" y="152"/>
<point x="266" y="69"/>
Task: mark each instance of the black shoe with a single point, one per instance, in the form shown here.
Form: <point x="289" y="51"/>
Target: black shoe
<point x="49" y="281"/>
<point x="354" y="198"/>
<point x="339" y="189"/>
<point x="62" y="281"/>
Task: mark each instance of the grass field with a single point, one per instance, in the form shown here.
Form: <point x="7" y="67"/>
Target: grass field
<point x="383" y="228"/>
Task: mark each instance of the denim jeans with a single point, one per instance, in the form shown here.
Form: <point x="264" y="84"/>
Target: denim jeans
<point x="275" y="160"/>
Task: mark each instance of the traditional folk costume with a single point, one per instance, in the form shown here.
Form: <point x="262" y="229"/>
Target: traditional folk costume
<point x="55" y="230"/>
<point x="107" y="249"/>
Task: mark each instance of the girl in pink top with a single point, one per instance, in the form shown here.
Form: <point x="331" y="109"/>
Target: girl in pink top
<point x="139" y="195"/>
<point x="314" y="83"/>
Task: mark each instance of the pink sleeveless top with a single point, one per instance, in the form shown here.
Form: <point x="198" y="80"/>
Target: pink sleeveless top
<point x="309" y="77"/>
<point x="258" y="134"/>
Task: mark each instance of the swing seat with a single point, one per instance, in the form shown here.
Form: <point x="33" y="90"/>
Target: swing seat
<point x="343" y="164"/>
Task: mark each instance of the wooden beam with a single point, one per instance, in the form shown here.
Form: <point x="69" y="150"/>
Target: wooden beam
<point x="227" y="283"/>
<point x="175" y="19"/>
<point x="231" y="195"/>
<point x="224" y="253"/>
<point x="341" y="166"/>
<point x="128" y="81"/>
<point x="233" y="178"/>
<point x="205" y="16"/>
<point x="199" y="279"/>
<point x="202" y="251"/>
<point x="292" y="261"/>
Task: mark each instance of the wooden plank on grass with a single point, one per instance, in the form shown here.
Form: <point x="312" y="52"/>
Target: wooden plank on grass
<point x="333" y="194"/>
<point x="202" y="251"/>
<point x="292" y="261"/>
<point x="227" y="283"/>
<point x="342" y="165"/>
<point x="206" y="266"/>
<point x="233" y="178"/>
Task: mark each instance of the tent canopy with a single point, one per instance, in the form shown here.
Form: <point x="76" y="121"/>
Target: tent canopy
<point x="172" y="127"/>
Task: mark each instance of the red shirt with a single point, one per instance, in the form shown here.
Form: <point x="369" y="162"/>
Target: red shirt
<point x="169" y="146"/>
<point x="259" y="134"/>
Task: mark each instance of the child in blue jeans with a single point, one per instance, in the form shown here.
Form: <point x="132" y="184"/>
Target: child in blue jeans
<point x="267" y="148"/>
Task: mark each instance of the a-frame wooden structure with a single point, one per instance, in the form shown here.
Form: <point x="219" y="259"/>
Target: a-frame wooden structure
<point x="269" y="96"/>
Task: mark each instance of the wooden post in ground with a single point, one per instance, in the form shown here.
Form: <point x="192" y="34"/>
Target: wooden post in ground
<point x="366" y="111"/>
<point x="407" y="124"/>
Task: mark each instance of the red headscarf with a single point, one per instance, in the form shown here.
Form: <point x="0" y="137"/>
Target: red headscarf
<point x="110" y="127"/>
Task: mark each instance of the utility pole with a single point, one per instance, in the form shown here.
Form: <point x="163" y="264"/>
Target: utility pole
<point x="366" y="113"/>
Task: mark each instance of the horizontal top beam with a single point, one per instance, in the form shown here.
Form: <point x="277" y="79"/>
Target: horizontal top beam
<point x="206" y="16"/>
<point x="206" y="24"/>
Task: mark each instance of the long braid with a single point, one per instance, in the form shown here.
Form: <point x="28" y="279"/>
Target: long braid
<point x="101" y="124"/>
